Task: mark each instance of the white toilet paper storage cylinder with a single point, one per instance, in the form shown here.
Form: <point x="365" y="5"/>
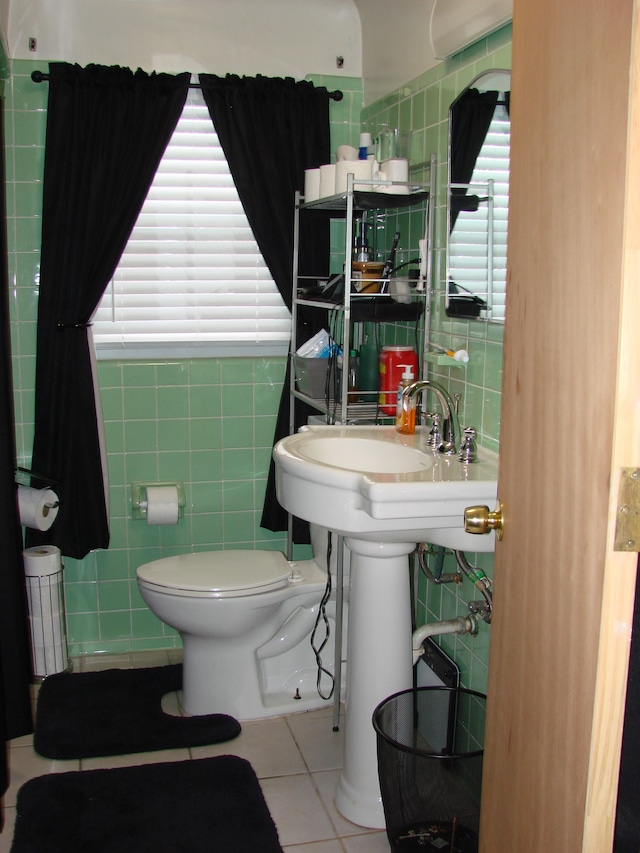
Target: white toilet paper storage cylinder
<point x="46" y="613"/>
<point x="140" y="499"/>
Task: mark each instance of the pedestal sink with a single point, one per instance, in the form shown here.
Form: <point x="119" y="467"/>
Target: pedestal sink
<point x="383" y="492"/>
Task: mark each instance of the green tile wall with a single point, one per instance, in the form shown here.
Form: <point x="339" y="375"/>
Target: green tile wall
<point x="206" y="422"/>
<point x="422" y="106"/>
<point x="210" y="422"/>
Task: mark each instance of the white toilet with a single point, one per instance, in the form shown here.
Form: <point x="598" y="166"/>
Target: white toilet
<point x="246" y="619"/>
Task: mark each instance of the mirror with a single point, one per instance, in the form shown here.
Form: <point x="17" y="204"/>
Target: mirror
<point x="478" y="198"/>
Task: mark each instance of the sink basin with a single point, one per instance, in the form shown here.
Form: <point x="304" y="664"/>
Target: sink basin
<point x="373" y="483"/>
<point x="362" y="453"/>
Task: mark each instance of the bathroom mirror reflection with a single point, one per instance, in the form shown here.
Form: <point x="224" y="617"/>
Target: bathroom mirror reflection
<point x="478" y="198"/>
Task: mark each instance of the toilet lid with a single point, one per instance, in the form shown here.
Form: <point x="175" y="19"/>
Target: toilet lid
<point x="219" y="572"/>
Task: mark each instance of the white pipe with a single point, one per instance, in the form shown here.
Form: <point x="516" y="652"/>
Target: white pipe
<point x="459" y="625"/>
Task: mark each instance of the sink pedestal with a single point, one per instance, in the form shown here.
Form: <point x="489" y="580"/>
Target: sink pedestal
<point x="380" y="664"/>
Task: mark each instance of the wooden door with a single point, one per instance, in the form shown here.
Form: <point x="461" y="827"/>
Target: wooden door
<point x="570" y="421"/>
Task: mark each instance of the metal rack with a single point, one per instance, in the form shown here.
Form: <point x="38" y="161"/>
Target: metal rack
<point x="356" y="308"/>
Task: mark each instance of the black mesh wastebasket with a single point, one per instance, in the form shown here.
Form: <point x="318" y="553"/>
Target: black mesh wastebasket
<point x="430" y="748"/>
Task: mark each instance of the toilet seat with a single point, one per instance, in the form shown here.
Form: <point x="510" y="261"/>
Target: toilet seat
<point x="217" y="574"/>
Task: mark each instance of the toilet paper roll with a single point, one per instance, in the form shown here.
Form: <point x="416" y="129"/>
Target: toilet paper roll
<point x="41" y="560"/>
<point x="393" y="170"/>
<point x="311" y="184"/>
<point x="38" y="508"/>
<point x="162" y="505"/>
<point x="360" y="169"/>
<point x="327" y="180"/>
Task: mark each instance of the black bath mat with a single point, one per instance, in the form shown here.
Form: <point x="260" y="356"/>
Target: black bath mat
<point x="213" y="805"/>
<point x="118" y="711"/>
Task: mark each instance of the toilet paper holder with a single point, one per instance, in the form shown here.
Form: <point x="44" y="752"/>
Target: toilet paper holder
<point x="27" y="477"/>
<point x="139" y="499"/>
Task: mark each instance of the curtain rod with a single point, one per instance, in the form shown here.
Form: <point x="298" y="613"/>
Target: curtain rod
<point x="41" y="77"/>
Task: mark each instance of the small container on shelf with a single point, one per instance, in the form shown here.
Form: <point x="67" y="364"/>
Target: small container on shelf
<point x="311" y="375"/>
<point x="366" y="276"/>
<point x="393" y="361"/>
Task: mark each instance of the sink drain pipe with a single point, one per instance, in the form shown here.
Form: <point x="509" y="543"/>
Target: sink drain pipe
<point x="459" y="625"/>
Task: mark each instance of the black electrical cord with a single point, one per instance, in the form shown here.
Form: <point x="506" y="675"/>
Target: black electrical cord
<point x="322" y="618"/>
<point x="332" y="383"/>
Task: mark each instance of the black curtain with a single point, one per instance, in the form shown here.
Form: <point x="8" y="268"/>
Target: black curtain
<point x="107" y="129"/>
<point x="271" y="130"/>
<point x="471" y="117"/>
<point x="15" y="665"/>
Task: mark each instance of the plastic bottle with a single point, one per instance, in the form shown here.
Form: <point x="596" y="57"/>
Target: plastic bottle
<point x="390" y="375"/>
<point x="365" y="142"/>
<point x="362" y="252"/>
<point x="353" y="376"/>
<point x="368" y="375"/>
<point x="405" y="406"/>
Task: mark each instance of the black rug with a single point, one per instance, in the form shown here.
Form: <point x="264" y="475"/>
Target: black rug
<point x="116" y="712"/>
<point x="213" y="805"/>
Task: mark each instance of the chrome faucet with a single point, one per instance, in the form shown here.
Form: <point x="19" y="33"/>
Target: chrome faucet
<point x="448" y="434"/>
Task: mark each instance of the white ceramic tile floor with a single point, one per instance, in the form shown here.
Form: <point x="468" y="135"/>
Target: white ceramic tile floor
<point x="297" y="759"/>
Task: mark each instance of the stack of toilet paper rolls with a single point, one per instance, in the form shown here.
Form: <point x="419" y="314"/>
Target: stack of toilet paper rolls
<point x="45" y="600"/>
<point x="331" y="178"/>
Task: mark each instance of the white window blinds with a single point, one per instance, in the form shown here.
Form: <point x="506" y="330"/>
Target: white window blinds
<point x="192" y="276"/>
<point x="469" y="249"/>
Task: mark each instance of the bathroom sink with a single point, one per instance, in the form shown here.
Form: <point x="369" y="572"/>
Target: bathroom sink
<point x="384" y="492"/>
<point x="373" y="483"/>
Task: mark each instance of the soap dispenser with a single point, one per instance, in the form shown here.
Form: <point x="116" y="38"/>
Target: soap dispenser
<point x="406" y="406"/>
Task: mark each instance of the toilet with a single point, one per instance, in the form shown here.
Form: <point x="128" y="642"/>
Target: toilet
<point x="246" y="619"/>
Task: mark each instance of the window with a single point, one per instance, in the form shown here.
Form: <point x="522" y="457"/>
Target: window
<point x="470" y="254"/>
<point x="192" y="280"/>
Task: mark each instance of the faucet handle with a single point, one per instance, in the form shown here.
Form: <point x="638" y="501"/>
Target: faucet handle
<point x="468" y="448"/>
<point x="435" y="433"/>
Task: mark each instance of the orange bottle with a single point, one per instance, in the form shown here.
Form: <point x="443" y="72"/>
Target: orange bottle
<point x="406" y="406"/>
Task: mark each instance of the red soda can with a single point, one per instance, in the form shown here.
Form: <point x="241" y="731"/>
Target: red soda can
<point x="392" y="364"/>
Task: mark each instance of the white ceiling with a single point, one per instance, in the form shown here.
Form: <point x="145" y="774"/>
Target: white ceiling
<point x="396" y="43"/>
<point x="385" y="43"/>
<point x="277" y="37"/>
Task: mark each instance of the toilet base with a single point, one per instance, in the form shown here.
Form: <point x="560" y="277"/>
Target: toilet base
<point x="224" y="681"/>
<point x="281" y="704"/>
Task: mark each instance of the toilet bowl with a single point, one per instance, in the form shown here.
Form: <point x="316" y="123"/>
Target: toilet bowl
<point x="246" y="619"/>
